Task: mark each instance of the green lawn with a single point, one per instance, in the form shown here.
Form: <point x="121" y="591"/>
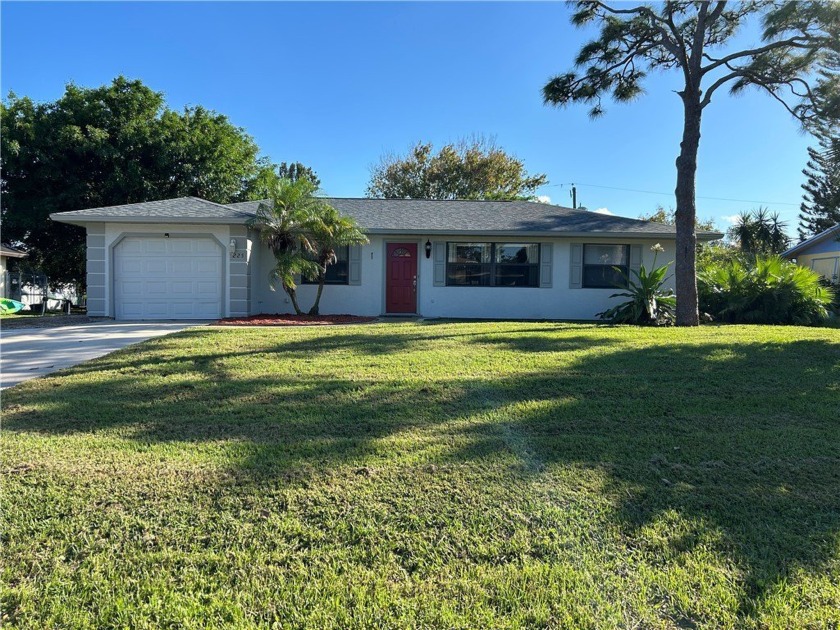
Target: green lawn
<point x="452" y="475"/>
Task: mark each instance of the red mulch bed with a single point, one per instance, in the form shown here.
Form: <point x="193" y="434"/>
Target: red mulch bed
<point x="293" y="320"/>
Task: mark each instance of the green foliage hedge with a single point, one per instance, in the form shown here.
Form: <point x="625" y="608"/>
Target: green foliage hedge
<point x="762" y="290"/>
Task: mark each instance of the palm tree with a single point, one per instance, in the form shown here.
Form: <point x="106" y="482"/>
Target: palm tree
<point x="285" y="223"/>
<point x="760" y="233"/>
<point x="330" y="231"/>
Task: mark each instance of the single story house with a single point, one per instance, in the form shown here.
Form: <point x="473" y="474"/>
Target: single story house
<point x="189" y="258"/>
<point x="820" y="253"/>
<point x="6" y="252"/>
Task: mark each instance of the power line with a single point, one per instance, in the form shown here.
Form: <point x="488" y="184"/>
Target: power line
<point x="651" y="192"/>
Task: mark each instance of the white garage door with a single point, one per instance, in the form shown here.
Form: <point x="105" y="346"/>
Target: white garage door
<point x="168" y="278"/>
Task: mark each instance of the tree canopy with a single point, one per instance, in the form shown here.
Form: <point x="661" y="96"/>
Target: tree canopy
<point x="669" y="217"/>
<point x="820" y="207"/>
<point x="110" y="145"/>
<point x="474" y="169"/>
<point x="295" y="170"/>
<point x="759" y="233"/>
<point x="792" y="64"/>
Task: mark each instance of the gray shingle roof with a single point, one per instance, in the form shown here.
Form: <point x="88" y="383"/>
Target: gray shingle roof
<point x="393" y="216"/>
<point x="430" y="216"/>
<point x="189" y="208"/>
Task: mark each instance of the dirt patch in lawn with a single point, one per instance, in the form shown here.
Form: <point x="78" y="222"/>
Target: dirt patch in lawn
<point x="293" y="320"/>
<point x="49" y="321"/>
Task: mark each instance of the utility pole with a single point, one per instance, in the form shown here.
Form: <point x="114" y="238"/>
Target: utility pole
<point x="574" y="197"/>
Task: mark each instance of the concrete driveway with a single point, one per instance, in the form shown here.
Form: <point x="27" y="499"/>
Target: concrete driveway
<point x="31" y="352"/>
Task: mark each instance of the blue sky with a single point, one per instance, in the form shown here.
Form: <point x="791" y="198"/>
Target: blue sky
<point x="337" y="85"/>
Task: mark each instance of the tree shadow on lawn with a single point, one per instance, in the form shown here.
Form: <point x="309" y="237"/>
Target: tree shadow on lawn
<point x="744" y="439"/>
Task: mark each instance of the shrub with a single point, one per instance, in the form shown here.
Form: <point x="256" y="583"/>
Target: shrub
<point x="648" y="303"/>
<point x="764" y="290"/>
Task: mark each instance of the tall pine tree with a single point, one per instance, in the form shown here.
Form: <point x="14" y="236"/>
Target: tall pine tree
<point x="820" y="209"/>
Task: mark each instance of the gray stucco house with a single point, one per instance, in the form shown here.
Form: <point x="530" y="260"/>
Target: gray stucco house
<point x="189" y="258"/>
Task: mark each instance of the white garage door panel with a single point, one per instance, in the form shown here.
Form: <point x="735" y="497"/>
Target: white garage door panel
<point x="168" y="278"/>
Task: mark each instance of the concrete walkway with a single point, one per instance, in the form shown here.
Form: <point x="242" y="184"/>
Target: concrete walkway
<point x="31" y="352"/>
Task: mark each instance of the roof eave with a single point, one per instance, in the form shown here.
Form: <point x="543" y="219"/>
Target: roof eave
<point x="704" y="236"/>
<point x="84" y="219"/>
<point x="817" y="238"/>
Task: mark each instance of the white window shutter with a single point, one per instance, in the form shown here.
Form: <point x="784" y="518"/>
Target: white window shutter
<point x="546" y="261"/>
<point x="576" y="267"/>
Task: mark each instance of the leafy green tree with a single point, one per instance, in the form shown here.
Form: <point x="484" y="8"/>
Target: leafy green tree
<point x="104" y="146"/>
<point x="331" y="231"/>
<point x="669" y="217"/>
<point x="820" y="207"/>
<point x="265" y="180"/>
<point x="760" y="233"/>
<point x="475" y="169"/>
<point x="696" y="39"/>
<point x="295" y="170"/>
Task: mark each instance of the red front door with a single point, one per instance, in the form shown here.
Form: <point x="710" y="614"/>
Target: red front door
<point x="401" y="284"/>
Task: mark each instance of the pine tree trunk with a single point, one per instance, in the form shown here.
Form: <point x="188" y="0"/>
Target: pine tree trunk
<point x="685" y="271"/>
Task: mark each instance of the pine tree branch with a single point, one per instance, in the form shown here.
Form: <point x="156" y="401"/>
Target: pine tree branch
<point x="792" y="42"/>
<point x="707" y="97"/>
<point x="657" y="23"/>
<point x="696" y="59"/>
<point x="717" y="11"/>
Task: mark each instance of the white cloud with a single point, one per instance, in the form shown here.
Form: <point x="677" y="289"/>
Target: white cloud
<point x="543" y="198"/>
<point x="603" y="211"/>
<point x="731" y="219"/>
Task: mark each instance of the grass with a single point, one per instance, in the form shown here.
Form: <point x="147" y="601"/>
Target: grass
<point x="452" y="475"/>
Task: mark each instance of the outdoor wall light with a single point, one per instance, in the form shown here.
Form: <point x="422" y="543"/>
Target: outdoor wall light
<point x="428" y="249"/>
<point x="232" y="245"/>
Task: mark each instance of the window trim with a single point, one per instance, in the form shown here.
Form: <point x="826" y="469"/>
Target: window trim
<point x="345" y="282"/>
<point x="492" y="265"/>
<point x="835" y="276"/>
<point x="583" y="265"/>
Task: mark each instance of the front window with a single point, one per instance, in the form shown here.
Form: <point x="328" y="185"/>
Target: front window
<point x="828" y="268"/>
<point x="605" y="266"/>
<point x="493" y="264"/>
<point x="338" y="272"/>
<point x="517" y="264"/>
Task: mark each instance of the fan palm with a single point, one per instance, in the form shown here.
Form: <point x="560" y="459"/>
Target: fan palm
<point x="766" y="290"/>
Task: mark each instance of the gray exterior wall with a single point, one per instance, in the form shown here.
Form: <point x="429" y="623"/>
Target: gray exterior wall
<point x="240" y="280"/>
<point x="96" y="277"/>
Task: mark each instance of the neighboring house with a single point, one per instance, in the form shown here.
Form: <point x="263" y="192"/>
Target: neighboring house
<point x="820" y="253"/>
<point x="7" y="252"/>
<point x="189" y="258"/>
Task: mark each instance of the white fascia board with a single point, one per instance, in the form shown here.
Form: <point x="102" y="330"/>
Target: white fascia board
<point x="83" y="219"/>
